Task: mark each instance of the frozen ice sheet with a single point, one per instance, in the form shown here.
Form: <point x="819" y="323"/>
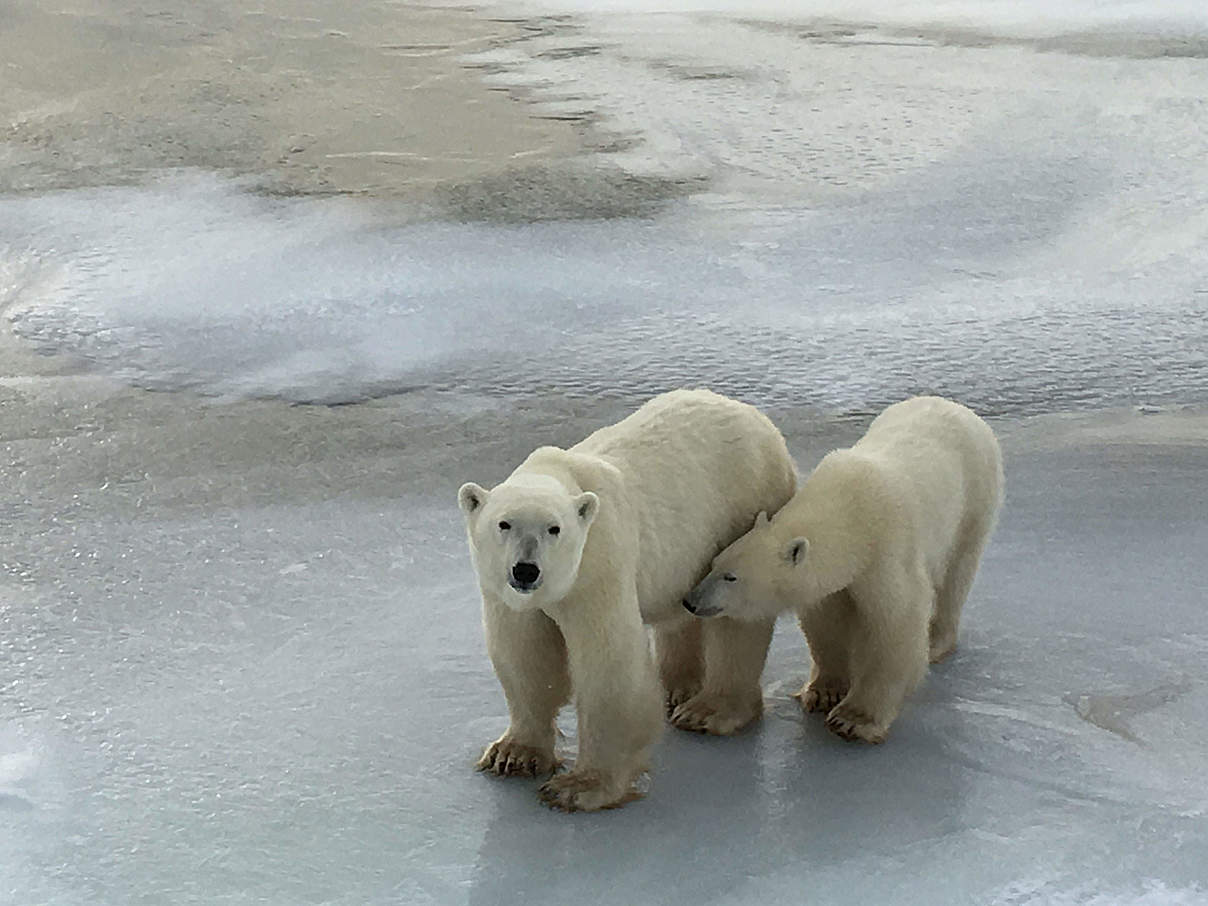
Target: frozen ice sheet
<point x="242" y="663"/>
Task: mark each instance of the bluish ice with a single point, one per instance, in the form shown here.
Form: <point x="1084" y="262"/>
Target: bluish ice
<point x="240" y="654"/>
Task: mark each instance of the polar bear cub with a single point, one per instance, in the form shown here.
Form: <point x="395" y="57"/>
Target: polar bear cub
<point x="876" y="553"/>
<point x="577" y="548"/>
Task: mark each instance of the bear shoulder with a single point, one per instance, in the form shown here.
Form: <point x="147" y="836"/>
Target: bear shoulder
<point x="578" y="471"/>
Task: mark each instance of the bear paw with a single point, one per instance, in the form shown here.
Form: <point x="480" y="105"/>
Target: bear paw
<point x="508" y="758"/>
<point x="821" y="695"/>
<point x="855" y="725"/>
<point x="676" y="697"/>
<point x="941" y="648"/>
<point x="715" y="714"/>
<point x="584" y="791"/>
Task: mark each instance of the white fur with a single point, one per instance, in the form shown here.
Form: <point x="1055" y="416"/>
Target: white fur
<point x="641" y="508"/>
<point x="876" y="553"/>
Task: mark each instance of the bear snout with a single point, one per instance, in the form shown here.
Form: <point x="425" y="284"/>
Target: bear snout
<point x="525" y="576"/>
<point x="698" y="604"/>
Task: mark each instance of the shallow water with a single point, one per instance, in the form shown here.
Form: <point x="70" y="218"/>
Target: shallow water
<point x="193" y="284"/>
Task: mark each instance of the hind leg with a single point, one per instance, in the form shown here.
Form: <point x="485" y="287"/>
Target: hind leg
<point x="730" y="697"/>
<point x="950" y="597"/>
<point x="681" y="660"/>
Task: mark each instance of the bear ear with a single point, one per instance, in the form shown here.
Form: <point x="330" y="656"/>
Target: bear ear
<point x="761" y="519"/>
<point x="796" y="551"/>
<point x="470" y="497"/>
<point x="587" y="505"/>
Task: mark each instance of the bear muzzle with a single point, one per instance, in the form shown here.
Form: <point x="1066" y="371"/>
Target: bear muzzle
<point x="525" y="576"/>
<point x="694" y="605"/>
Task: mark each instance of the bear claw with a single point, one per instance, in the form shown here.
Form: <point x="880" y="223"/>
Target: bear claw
<point x="505" y="758"/>
<point x="677" y="697"/>
<point x="940" y="650"/>
<point x="820" y="697"/>
<point x="717" y="716"/>
<point x="582" y="792"/>
<point x="855" y="725"/>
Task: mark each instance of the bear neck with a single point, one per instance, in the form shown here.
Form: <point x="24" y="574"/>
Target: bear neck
<point x="829" y="512"/>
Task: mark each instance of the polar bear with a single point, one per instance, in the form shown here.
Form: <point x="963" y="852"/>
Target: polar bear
<point x="577" y="548"/>
<point x="876" y="554"/>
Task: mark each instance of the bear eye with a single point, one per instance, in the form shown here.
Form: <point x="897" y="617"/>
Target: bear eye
<point x="729" y="577"/>
<point x="504" y="526"/>
<point x="553" y="530"/>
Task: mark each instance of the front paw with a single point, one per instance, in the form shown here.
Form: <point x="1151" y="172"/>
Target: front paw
<point x="584" y="791"/>
<point x="679" y="695"/>
<point x="716" y="714"/>
<point x="856" y="725"/>
<point x="821" y="695"/>
<point x="507" y="758"/>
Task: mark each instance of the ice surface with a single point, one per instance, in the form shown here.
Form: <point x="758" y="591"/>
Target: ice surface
<point x="242" y="663"/>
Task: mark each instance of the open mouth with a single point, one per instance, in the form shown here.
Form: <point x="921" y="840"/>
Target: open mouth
<point x="524" y="587"/>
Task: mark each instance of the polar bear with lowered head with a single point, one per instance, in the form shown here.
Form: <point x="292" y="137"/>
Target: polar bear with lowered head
<point x="876" y="553"/>
<point x="578" y="547"/>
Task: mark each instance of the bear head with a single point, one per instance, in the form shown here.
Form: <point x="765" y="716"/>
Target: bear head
<point x="746" y="578"/>
<point x="527" y="537"/>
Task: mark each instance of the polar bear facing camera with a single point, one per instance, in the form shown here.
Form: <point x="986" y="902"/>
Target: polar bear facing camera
<point x="876" y="553"/>
<point x="577" y="548"/>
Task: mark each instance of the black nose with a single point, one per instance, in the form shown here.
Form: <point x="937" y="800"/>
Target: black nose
<point x="688" y="606"/>
<point x="526" y="573"/>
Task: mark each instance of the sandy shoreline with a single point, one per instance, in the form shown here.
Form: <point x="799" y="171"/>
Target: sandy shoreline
<point x="307" y="97"/>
